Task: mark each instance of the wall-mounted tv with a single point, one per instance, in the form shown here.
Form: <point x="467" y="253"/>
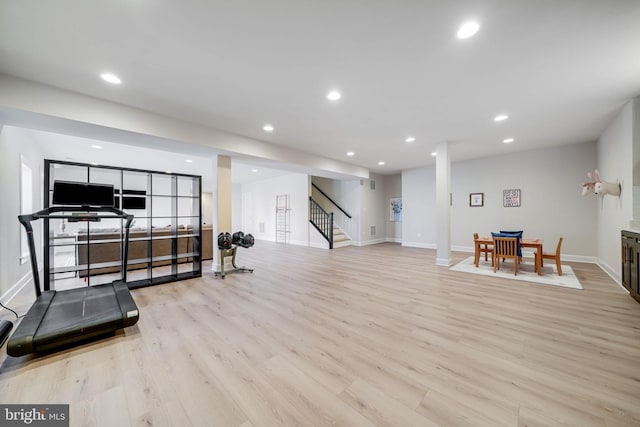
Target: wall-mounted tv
<point x="82" y="194"/>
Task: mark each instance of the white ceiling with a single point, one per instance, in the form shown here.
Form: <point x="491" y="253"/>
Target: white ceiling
<point x="560" y="69"/>
<point x="67" y="148"/>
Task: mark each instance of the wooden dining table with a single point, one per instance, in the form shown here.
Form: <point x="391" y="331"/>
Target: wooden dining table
<point x="524" y="243"/>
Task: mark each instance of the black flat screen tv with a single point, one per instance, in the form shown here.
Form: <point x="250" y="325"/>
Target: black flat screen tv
<point x="82" y="194"/>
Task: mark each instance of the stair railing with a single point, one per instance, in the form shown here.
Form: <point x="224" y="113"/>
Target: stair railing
<point x="331" y="200"/>
<point x="321" y="220"/>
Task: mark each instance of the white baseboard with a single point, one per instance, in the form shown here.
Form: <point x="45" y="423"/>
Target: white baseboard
<point x="298" y="243"/>
<point x="393" y="240"/>
<point x="580" y="258"/>
<point x="611" y="272"/>
<point x="420" y="245"/>
<point x="15" y="289"/>
<point x="367" y="242"/>
<point x="318" y="245"/>
<point x="444" y="262"/>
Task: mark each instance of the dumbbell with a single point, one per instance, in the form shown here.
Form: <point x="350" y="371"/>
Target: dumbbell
<point x="247" y="241"/>
<point x="237" y="237"/>
<point x="224" y="241"/>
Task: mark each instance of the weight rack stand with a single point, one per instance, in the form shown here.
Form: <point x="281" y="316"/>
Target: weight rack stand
<point x="231" y="252"/>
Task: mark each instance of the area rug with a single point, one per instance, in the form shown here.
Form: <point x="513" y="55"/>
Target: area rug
<point x="525" y="272"/>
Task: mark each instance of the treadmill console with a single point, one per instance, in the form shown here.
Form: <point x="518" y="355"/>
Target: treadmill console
<point x="84" y="216"/>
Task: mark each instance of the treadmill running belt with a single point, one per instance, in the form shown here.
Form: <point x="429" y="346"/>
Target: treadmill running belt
<point x="60" y="318"/>
<point x="80" y="314"/>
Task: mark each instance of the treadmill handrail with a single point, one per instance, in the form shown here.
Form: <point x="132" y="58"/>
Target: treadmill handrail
<point x="46" y="213"/>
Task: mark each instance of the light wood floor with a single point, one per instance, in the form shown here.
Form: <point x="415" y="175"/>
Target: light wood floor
<point x="375" y="335"/>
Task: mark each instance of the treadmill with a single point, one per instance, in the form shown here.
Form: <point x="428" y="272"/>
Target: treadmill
<point x="62" y="318"/>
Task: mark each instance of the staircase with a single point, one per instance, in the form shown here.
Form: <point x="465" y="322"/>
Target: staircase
<point x="323" y="222"/>
<point x="339" y="238"/>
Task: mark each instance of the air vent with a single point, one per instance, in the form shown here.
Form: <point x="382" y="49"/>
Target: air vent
<point x="372" y="184"/>
<point x="373" y="230"/>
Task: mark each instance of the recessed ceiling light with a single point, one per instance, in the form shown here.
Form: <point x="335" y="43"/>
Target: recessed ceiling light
<point x="380" y="163"/>
<point x="94" y="163"/>
<point x="467" y="29"/>
<point x="508" y="140"/>
<point x="410" y="139"/>
<point x="254" y="170"/>
<point x="189" y="161"/>
<point x="334" y="95"/>
<point x="500" y="118"/>
<point x="434" y="153"/>
<point x="111" y="78"/>
<point x="97" y="147"/>
<point x="168" y="172"/>
<point x="350" y="153"/>
<point x="268" y="128"/>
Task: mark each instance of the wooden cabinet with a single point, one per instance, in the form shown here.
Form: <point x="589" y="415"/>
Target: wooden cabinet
<point x="630" y="263"/>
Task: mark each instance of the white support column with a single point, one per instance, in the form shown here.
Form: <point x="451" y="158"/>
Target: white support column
<point x="222" y="205"/>
<point x="224" y="194"/>
<point x="443" y="204"/>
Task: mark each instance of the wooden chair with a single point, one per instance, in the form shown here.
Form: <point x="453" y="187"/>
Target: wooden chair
<point x="481" y="248"/>
<point x="503" y="248"/>
<point x="555" y="256"/>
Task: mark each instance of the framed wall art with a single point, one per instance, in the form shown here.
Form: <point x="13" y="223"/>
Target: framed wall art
<point x="395" y="209"/>
<point x="476" y="199"/>
<point x="511" y="198"/>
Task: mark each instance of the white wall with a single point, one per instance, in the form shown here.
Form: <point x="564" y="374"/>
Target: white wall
<point x="552" y="206"/>
<point x="374" y="211"/>
<point x="13" y="143"/>
<point x="331" y="188"/>
<point x="636" y="162"/>
<point x="207" y="207"/>
<point x="392" y="189"/>
<point x="419" y="207"/>
<point x="236" y="208"/>
<point x="615" y="161"/>
<point x="261" y="195"/>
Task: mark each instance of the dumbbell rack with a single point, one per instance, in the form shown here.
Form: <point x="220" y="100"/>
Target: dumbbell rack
<point x="231" y="252"/>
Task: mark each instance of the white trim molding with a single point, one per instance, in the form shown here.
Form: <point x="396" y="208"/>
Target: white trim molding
<point x="319" y="245"/>
<point x="367" y="242"/>
<point x="419" y="245"/>
<point x="611" y="272"/>
<point x="15" y="289"/>
<point x="444" y="262"/>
